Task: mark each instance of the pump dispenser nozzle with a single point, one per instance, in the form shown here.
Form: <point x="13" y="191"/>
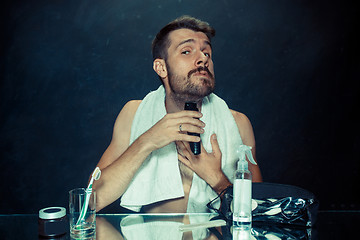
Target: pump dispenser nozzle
<point x="242" y="165"/>
<point x="243" y="151"/>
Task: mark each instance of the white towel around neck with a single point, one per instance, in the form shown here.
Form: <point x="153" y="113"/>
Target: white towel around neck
<point x="159" y="177"/>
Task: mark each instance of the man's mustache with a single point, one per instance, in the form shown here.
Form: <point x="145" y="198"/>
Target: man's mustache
<point x="199" y="69"/>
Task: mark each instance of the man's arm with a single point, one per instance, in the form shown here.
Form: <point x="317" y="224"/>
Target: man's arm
<point x="120" y="161"/>
<point x="108" y="188"/>
<point x="248" y="138"/>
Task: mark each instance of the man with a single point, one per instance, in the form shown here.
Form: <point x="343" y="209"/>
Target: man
<point x="182" y="53"/>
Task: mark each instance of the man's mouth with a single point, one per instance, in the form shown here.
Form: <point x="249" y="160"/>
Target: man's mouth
<point x="204" y="71"/>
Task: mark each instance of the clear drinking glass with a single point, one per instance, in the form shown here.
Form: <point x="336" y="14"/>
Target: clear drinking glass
<point x="85" y="228"/>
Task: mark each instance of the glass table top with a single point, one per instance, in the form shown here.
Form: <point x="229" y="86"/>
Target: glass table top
<point x="329" y="225"/>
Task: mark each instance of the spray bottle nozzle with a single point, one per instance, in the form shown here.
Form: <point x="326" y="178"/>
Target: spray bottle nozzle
<point x="243" y="151"/>
<point x="242" y="165"/>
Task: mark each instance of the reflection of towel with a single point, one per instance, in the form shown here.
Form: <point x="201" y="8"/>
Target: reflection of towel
<point x="159" y="177"/>
<point x="138" y="227"/>
<point x="133" y="227"/>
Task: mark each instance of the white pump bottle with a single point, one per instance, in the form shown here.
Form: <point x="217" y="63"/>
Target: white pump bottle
<point x="242" y="193"/>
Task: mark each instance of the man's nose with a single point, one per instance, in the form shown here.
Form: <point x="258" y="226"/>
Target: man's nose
<point x="202" y="60"/>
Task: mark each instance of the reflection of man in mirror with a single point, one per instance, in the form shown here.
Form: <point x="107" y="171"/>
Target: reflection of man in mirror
<point x="149" y="163"/>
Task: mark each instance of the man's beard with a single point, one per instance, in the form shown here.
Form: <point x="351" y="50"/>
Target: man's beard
<point x="184" y="89"/>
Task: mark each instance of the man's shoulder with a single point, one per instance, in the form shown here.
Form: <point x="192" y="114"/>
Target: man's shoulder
<point x="124" y="121"/>
<point x="130" y="107"/>
<point x="127" y="113"/>
<point x="245" y="128"/>
<point x="239" y="116"/>
<point x="241" y="119"/>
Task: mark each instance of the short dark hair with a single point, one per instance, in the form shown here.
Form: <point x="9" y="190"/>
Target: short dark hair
<point x="161" y="41"/>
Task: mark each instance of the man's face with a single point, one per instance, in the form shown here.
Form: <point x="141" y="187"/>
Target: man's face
<point x="189" y="65"/>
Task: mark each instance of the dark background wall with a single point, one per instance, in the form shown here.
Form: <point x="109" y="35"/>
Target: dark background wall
<point x="68" y="67"/>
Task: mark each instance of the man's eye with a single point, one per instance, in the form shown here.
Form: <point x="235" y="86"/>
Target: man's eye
<point x="207" y="55"/>
<point x="186" y="52"/>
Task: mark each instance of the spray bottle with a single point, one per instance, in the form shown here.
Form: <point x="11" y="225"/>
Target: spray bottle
<point x="242" y="193"/>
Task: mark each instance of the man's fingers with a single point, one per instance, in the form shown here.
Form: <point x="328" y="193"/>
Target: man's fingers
<point x="184" y="128"/>
<point x="183" y="136"/>
<point x="184" y="160"/>
<point x="215" y="145"/>
<point x="193" y="114"/>
<point x="185" y="117"/>
<point x="183" y="153"/>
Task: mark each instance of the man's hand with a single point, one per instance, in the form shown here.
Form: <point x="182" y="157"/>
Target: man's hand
<point x="206" y="165"/>
<point x="167" y="130"/>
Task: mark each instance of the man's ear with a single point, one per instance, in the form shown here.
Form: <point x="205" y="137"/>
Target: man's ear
<point x="159" y="67"/>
